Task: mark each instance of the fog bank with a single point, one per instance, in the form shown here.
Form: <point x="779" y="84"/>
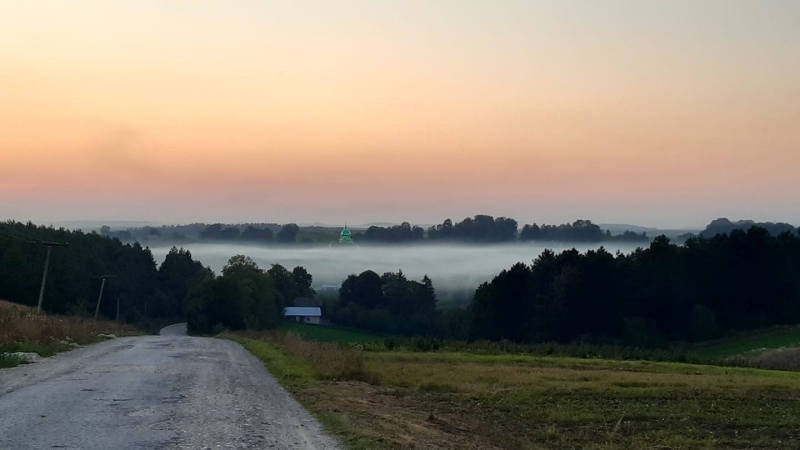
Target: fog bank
<point x="451" y="267"/>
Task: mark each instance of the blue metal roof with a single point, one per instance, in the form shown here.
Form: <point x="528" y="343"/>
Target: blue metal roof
<point x="310" y="311"/>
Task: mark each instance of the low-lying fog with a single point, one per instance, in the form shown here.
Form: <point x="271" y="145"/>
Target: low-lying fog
<point x="451" y="267"/>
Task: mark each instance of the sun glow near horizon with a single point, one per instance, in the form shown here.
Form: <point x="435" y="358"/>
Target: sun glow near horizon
<point x="662" y="113"/>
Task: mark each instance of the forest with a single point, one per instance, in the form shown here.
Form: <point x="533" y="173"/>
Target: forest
<point x="654" y="296"/>
<point x="243" y="296"/>
<point x="479" y="229"/>
<point x="707" y="288"/>
<point x="73" y="282"/>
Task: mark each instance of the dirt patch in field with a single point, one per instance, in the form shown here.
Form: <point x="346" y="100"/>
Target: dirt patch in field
<point x="405" y="421"/>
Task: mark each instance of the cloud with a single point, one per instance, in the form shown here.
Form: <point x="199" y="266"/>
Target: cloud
<point x="122" y="151"/>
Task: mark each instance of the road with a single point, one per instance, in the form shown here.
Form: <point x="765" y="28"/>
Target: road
<point x="152" y="392"/>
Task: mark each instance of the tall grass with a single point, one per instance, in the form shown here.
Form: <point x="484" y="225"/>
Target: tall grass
<point x="23" y="329"/>
<point x="326" y="360"/>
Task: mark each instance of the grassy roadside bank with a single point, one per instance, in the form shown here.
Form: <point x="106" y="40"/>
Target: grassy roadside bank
<point x="23" y="330"/>
<point x="450" y="400"/>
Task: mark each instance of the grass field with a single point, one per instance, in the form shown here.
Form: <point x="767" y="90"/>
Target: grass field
<point x="772" y="339"/>
<point x="23" y="330"/>
<point x="447" y="400"/>
<point x="328" y="334"/>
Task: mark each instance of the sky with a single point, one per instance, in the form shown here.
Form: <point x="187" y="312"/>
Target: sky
<point x="659" y="113"/>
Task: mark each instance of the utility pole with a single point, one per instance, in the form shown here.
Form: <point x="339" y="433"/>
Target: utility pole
<point x="117" y="309"/>
<point x="49" y="246"/>
<point x="102" y="286"/>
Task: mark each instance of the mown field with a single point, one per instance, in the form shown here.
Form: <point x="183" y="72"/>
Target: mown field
<point x="450" y="400"/>
<point x="23" y="330"/>
<point x="756" y="341"/>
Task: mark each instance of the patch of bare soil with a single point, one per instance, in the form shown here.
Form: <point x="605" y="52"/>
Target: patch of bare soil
<point x="405" y="420"/>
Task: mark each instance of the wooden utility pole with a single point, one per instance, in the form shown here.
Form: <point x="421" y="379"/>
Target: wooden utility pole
<point x="49" y="246"/>
<point x="117" y="309"/>
<point x="100" y="297"/>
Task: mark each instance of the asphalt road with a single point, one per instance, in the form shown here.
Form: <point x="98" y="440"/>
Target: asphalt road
<point x="154" y="392"/>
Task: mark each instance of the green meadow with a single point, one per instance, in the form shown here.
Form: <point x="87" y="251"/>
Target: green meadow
<point x="328" y="334"/>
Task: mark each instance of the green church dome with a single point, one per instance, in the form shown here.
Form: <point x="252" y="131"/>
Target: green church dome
<point x="344" y="236"/>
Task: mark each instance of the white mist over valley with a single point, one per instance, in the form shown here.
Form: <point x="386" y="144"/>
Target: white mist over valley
<point x="451" y="267"/>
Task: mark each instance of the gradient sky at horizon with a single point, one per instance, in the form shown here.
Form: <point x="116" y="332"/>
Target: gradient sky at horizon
<point x="659" y="113"/>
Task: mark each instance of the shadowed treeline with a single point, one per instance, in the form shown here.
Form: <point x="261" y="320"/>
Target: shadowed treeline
<point x="73" y="283"/>
<point x="699" y="291"/>
<point x="478" y="229"/>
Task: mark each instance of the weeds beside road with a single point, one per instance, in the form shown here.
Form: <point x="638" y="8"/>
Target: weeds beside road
<point x="22" y="329"/>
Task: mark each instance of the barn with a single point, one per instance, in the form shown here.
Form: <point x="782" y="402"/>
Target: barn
<point x="309" y="314"/>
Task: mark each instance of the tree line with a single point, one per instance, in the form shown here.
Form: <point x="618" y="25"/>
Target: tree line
<point x="476" y="229"/>
<point x="388" y="303"/>
<point x="218" y="232"/>
<point x="245" y="296"/>
<point x="704" y="289"/>
<point x="488" y="229"/>
<point x="392" y="234"/>
<point x="578" y="231"/>
<point x="73" y="281"/>
<point x="242" y="296"/>
<point x="725" y="226"/>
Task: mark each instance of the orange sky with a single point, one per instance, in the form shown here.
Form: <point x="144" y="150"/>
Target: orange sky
<point x="665" y="113"/>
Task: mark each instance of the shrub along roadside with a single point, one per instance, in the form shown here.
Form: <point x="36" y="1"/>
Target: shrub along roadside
<point x="23" y="330"/>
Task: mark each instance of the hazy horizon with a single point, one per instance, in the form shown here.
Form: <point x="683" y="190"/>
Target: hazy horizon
<point x="87" y="225"/>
